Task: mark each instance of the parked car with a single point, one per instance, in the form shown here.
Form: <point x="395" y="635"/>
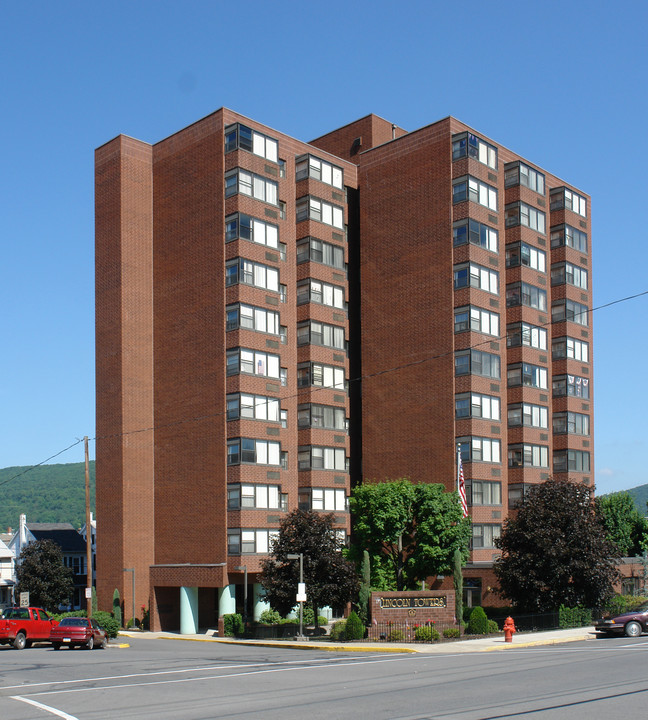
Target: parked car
<point x="22" y="626"/>
<point x="631" y="623"/>
<point x="79" y="631"/>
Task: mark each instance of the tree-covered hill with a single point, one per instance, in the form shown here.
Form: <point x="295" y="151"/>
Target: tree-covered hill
<point x="47" y="493"/>
<point x="640" y="496"/>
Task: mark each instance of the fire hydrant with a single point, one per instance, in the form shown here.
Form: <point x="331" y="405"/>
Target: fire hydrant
<point x="509" y="629"/>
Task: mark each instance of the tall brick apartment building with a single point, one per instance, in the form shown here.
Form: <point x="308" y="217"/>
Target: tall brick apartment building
<point x="278" y="320"/>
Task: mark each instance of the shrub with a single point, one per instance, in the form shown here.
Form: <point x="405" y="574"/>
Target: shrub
<point x="625" y="603"/>
<point x="270" y="617"/>
<point x="321" y="620"/>
<point x="107" y="622"/>
<point x="116" y="611"/>
<point x="478" y="623"/>
<point x="574" y="617"/>
<point x="338" y="631"/>
<point x="493" y="627"/>
<point x="308" y="617"/>
<point x="425" y="633"/>
<point x="396" y="635"/>
<point x="132" y="622"/>
<point x="451" y="632"/>
<point x="354" y="627"/>
<point x="233" y="625"/>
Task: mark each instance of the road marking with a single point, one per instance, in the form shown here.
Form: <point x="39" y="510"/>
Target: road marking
<point x="47" y="708"/>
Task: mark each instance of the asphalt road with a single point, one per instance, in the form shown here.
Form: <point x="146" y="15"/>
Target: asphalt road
<point x="164" y="679"/>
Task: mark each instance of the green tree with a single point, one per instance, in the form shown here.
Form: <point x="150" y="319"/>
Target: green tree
<point x="40" y="572"/>
<point x="555" y="551"/>
<point x="330" y="579"/>
<point x="410" y="530"/>
<point x="624" y="524"/>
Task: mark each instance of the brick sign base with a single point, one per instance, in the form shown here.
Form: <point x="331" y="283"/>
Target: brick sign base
<point x="416" y="607"/>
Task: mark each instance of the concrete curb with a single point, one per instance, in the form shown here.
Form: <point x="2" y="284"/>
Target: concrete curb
<point x="533" y="643"/>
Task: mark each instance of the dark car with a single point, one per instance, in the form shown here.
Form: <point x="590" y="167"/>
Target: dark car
<point x="78" y="631"/>
<point x="631" y="623"/>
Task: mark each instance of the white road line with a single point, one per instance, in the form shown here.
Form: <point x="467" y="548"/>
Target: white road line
<point x="47" y="708"/>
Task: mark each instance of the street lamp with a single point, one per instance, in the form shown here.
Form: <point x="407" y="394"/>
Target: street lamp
<point x="132" y="570"/>
<point x="301" y="590"/>
<point x="245" y="591"/>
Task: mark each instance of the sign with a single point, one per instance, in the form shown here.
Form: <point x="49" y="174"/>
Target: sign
<point x="88" y="593"/>
<point x="301" y="592"/>
<point x="405" y="602"/>
<point x="24" y="599"/>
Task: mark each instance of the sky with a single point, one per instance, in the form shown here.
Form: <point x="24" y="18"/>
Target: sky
<point x="561" y="83"/>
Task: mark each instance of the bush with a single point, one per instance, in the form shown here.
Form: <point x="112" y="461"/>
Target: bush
<point x="396" y="635"/>
<point x="354" y="627"/>
<point x="321" y="620"/>
<point x="425" y="633"/>
<point x="451" y="633"/>
<point x="625" y="603"/>
<point x="233" y="625"/>
<point x="107" y="622"/>
<point x="492" y="627"/>
<point x="117" y="613"/>
<point x="338" y="631"/>
<point x="574" y="617"/>
<point x="478" y="622"/>
<point x="270" y="617"/>
<point x="132" y="622"/>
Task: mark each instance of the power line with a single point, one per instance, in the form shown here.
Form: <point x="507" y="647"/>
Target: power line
<point x="394" y="368"/>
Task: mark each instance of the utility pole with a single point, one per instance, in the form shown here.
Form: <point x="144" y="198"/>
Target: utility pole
<point x="88" y="533"/>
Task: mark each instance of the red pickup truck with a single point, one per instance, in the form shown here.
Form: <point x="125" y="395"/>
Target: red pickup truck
<point x="22" y="626"/>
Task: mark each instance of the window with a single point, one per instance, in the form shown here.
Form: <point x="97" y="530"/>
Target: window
<point x="520" y="253"/>
<point x="528" y="456"/>
<point x="316" y="291"/>
<point x="252" y="362"/>
<point x="476" y="319"/>
<point x="256" y="496"/>
<point x="566" y="347"/>
<point x="469" y="188"/>
<point x="479" y="449"/>
<point x="314" y="250"/>
<point x="311" y="332"/>
<point x="571" y="386"/>
<point x="312" y="208"/>
<point x="521" y="293"/>
<point x="477" y="276"/>
<point x="249" y="450"/>
<point x="241" y="137"/>
<point x="484" y="492"/>
<point x="475" y="233"/>
<point x="476" y="362"/>
<point x="255" y="407"/>
<point x="518" y="173"/>
<point x="571" y="311"/>
<point x="565" y="272"/>
<point x="310" y="457"/>
<point x="247" y="272"/>
<point x="562" y="198"/>
<point x="248" y="542"/>
<point x="239" y="181"/>
<point x="527" y="375"/>
<point x="566" y="235"/>
<point x="477" y="406"/>
<point x="484" y="536"/>
<point x="524" y="414"/>
<point x="571" y="423"/>
<point x="319" y="375"/>
<point x="519" y="213"/>
<point x="245" y="227"/>
<point x="468" y="145"/>
<point x="571" y="461"/>
<point x="248" y="317"/>
<point x="322" y="499"/>
<point x="523" y="334"/>
<point x="321" y="416"/>
<point x="309" y="166"/>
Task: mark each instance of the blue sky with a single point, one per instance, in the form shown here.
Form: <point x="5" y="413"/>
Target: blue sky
<point x="563" y="84"/>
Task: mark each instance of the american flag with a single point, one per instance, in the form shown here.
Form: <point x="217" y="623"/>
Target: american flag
<point x="462" y="490"/>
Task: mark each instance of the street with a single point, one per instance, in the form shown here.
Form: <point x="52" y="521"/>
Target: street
<point x="184" y="680"/>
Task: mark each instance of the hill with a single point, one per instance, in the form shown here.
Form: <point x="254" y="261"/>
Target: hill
<point x="47" y="493"/>
<point x="640" y="496"/>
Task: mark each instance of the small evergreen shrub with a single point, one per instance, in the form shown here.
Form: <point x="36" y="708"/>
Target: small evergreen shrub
<point x="270" y="617"/>
<point x="478" y="622"/>
<point x="425" y="633"/>
<point x="116" y="611"/>
<point x="574" y="617"/>
<point x="492" y="627"/>
<point x="338" y="631"/>
<point x="354" y="627"/>
<point x="451" y="632"/>
<point x="396" y="635"/>
<point x="233" y="625"/>
<point x="107" y="622"/>
<point x="321" y="620"/>
<point x="308" y="617"/>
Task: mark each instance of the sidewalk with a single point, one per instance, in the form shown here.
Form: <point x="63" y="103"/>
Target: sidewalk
<point x="486" y="644"/>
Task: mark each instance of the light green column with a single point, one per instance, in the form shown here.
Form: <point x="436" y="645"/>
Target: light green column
<point x="259" y="604"/>
<point x="227" y="600"/>
<point x="188" y="610"/>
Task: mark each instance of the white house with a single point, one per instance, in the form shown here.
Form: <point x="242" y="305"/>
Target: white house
<point x="6" y="576"/>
